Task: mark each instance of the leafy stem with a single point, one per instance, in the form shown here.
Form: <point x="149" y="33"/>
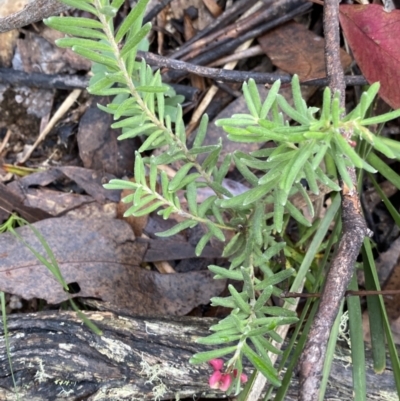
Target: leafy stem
<point x="207" y="176"/>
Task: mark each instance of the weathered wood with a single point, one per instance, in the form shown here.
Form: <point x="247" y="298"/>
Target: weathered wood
<point x="56" y="357"/>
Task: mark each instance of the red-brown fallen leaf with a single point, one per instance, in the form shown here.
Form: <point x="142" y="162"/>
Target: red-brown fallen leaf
<point x="373" y="35"/>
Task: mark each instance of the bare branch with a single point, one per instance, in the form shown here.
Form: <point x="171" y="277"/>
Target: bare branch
<point x="354" y="231"/>
<point x="33" y="12"/>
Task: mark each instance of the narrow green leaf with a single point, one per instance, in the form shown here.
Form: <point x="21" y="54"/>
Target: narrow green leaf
<point x="357" y="344"/>
<point x="203" y="149"/>
<point x="117" y="3"/>
<point x="291" y="112"/>
<point x="249" y="101"/>
<point x="311" y="178"/>
<point x="224" y="324"/>
<point x="271" y="97"/>
<point x="295" y="166"/>
<point x="139" y="130"/>
<point x="135" y="40"/>
<point x="90" y="44"/>
<point x="77" y="22"/>
<point x="226" y="273"/>
<point x="226" y="302"/>
<point x="136" y="13"/>
<point x="128" y="122"/>
<point x="244" y="170"/>
<point x="191" y="196"/>
<point x="248" y="285"/>
<point x="178" y="228"/>
<point x="79" y="31"/>
<point x="263" y="298"/>
<point x="216" y="231"/>
<point x="80" y="5"/>
<point x="202" y="243"/>
<point x="205" y="206"/>
<point x="278" y="311"/>
<point x="255" y="96"/>
<point x="120" y="184"/>
<point x="239" y="301"/>
<point x="201" y="132"/>
<point x="218" y="338"/>
<point x="279" y="198"/>
<point x="298" y="100"/>
<point x="347" y="150"/>
<point x="381" y="119"/>
<point x="152" y="89"/>
<point x="375" y="315"/>
<point x="202" y="357"/>
<point x="392" y="210"/>
<point x="96" y="57"/>
<point x="326" y="180"/>
<point x="384" y="169"/>
<point x="296" y="214"/>
<point x="223" y="169"/>
<point x="151" y="208"/>
<point x="319" y="155"/>
<point x="275" y="279"/>
<point x="211" y="160"/>
<point x="266" y="369"/>
<point x="254" y="194"/>
<point x="326" y="106"/>
<point x="335" y="111"/>
<point x="342" y="169"/>
<point x="152" y="140"/>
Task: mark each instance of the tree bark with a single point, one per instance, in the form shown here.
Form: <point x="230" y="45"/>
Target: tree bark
<point x="56" y="357"/>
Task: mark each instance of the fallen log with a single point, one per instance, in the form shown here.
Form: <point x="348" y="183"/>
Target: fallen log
<point x="56" y="357"/>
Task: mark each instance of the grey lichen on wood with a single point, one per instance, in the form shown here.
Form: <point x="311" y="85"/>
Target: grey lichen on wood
<point x="55" y="356"/>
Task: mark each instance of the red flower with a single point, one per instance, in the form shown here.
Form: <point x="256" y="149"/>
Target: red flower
<point x="222" y="381"/>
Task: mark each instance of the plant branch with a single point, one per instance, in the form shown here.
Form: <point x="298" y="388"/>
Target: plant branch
<point x="353" y="232"/>
<point x="151" y="116"/>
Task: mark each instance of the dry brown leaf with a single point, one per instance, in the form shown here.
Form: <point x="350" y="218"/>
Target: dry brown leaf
<point x="295" y="49"/>
<point x="103" y="258"/>
<point x="99" y="148"/>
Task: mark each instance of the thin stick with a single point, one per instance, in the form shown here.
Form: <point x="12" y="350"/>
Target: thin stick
<point x="5" y="141"/>
<point x="227" y="17"/>
<point x="354" y="230"/>
<point x="9" y="76"/>
<point x="214" y="89"/>
<point x="66" y="105"/>
<point x="349" y="293"/>
<point x="239" y="55"/>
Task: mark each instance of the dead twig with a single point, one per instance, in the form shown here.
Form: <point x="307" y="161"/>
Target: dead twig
<point x="233" y="31"/>
<point x="65" y="106"/>
<point x="353" y="233"/>
<point x="279" y="12"/>
<point x="155" y="10"/>
<point x="349" y="293"/>
<point x="33" y="12"/>
<point x="226" y="18"/>
<point x="12" y="77"/>
<point x="5" y="141"/>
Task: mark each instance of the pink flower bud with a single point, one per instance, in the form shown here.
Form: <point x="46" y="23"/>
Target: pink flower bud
<point x="214" y="380"/>
<point x="217" y="364"/>
<point x="243" y="377"/>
